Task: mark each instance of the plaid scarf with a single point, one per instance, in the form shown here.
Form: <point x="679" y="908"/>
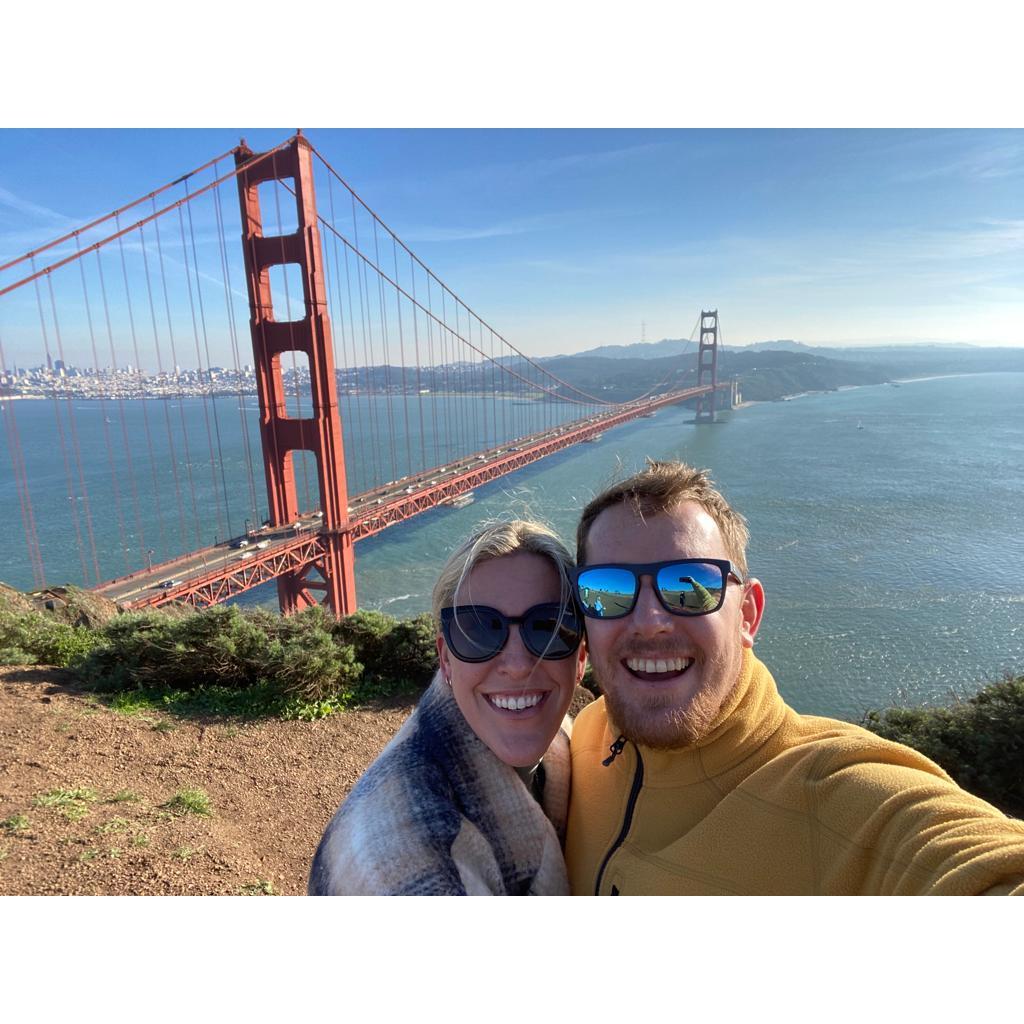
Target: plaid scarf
<point x="438" y="814"/>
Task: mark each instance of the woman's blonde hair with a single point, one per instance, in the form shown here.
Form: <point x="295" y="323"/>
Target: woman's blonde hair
<point x="494" y="541"/>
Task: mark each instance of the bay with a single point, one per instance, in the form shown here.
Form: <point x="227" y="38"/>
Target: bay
<point x="885" y="521"/>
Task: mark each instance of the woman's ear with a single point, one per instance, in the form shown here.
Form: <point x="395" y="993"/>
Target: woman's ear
<point x="442" y="658"/>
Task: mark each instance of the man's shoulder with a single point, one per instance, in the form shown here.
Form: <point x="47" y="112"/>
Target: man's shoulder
<point x="835" y="746"/>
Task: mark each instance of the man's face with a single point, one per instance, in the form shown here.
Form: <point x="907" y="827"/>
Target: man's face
<point x="701" y="655"/>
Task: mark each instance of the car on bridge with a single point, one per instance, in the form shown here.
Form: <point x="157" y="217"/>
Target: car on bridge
<point x="240" y="542"/>
<point x="169" y="584"/>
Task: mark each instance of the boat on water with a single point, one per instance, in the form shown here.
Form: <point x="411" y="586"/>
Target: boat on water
<point x="462" y="500"/>
<point x="594" y="438"/>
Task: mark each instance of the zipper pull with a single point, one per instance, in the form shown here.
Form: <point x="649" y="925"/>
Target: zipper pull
<point x="616" y="748"/>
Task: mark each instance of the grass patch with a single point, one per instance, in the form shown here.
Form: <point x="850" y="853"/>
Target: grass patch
<point x="124" y="796"/>
<point x="258" y="889"/>
<point x="189" y="801"/>
<point x="15" y="823"/>
<point x="3" y="853"/>
<point x="164" y="726"/>
<point x="114" y="853"/>
<point x="140" y="839"/>
<point x="132" y="703"/>
<point x="186" y="853"/>
<point x="114" y="825"/>
<point x="89" y="854"/>
<point x="72" y="803"/>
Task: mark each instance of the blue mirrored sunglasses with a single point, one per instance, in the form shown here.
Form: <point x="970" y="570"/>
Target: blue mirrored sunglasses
<point x="685" y="586"/>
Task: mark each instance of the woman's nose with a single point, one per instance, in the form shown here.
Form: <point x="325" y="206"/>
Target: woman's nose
<point x="515" y="657"/>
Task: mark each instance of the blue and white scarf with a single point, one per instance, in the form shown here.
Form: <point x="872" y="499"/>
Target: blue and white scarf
<point x="439" y="814"/>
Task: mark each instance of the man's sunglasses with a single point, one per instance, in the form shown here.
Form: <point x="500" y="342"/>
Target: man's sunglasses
<point x="474" y="632"/>
<point x="685" y="586"/>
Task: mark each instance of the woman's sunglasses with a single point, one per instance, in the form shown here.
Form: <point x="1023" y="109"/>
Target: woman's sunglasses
<point x="685" y="586"/>
<point x="474" y="632"/>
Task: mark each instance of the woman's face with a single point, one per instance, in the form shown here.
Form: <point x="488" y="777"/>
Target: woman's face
<point x="512" y="584"/>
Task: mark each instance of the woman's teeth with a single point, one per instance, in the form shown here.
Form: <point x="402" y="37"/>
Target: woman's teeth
<point x="660" y="665"/>
<point x="515" y="703"/>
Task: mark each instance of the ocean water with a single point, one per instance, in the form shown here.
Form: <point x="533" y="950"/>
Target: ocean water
<point x="885" y="524"/>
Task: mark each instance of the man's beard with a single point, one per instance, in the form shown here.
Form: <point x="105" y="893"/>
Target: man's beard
<point x="658" y="722"/>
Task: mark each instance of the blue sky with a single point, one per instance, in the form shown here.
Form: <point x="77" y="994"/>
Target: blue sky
<point x="564" y="240"/>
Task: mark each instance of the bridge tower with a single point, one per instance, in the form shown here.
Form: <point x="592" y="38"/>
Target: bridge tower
<point x="273" y="335"/>
<point x="707" y="365"/>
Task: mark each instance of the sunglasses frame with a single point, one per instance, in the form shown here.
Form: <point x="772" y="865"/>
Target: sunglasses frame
<point x="448" y="616"/>
<point x="641" y="569"/>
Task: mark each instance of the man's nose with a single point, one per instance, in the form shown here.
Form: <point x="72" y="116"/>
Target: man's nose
<point x="649" y="615"/>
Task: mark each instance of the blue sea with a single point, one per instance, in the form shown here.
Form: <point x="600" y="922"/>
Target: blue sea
<point x="885" y="521"/>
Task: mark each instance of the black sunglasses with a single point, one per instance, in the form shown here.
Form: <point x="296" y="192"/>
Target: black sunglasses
<point x="474" y="632"/>
<point x="685" y="586"/>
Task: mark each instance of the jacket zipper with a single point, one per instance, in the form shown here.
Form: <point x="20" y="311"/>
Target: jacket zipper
<point x="634" y="793"/>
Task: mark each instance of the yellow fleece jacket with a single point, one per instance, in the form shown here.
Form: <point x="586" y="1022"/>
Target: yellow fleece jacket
<point x="773" y="802"/>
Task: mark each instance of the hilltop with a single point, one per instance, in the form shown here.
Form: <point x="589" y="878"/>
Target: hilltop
<point x="772" y="369"/>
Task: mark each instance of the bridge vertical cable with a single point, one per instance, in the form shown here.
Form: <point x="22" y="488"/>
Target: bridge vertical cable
<point x="108" y="447"/>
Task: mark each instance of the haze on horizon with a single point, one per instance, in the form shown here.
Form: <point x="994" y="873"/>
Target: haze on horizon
<point x="567" y="240"/>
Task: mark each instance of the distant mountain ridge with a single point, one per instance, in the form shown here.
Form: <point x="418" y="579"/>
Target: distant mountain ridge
<point x="771" y="369"/>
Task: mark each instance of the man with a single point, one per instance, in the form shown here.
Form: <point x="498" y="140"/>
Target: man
<point x="692" y="776"/>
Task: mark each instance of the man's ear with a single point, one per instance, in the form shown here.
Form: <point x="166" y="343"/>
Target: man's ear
<point x="581" y="662"/>
<point x="751" y="611"/>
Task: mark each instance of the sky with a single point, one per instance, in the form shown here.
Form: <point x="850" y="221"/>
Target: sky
<point x="564" y="240"/>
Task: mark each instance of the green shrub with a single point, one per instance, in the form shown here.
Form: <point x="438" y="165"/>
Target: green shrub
<point x="979" y="741"/>
<point x="368" y="632"/>
<point x="394" y="652"/>
<point x="306" y="661"/>
<point x="412" y="650"/>
<point x="216" y="647"/>
<point x="32" y="638"/>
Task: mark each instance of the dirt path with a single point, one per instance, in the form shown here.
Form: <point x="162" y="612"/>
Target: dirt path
<point x="87" y="795"/>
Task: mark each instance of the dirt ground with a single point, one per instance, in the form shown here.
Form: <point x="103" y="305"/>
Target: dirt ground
<point x="93" y="801"/>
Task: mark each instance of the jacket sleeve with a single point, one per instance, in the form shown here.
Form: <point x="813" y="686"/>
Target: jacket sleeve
<point x="889" y="821"/>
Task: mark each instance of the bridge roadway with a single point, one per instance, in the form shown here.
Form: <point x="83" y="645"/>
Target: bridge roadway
<point x="216" y="573"/>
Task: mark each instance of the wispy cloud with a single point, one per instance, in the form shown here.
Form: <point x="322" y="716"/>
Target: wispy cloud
<point x="24" y="206"/>
<point x="982" y="162"/>
<point x="499" y="230"/>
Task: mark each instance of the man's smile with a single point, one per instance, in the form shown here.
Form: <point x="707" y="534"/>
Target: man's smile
<point x="655" y="669"/>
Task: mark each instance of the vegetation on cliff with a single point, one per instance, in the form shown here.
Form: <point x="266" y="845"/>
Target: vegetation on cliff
<point x="309" y="665"/>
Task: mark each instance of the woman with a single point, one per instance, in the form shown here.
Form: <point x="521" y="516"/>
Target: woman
<point x="470" y="796"/>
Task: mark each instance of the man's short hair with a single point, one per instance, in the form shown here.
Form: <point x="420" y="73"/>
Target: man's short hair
<point x="660" y="487"/>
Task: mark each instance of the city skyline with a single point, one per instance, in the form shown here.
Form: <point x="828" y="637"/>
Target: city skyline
<point x="567" y="240"/>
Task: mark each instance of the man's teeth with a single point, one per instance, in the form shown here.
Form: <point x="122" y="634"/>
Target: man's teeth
<point x="516" y="703"/>
<point x="660" y="665"/>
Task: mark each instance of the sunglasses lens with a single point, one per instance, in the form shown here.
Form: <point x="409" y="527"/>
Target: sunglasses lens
<point x="606" y="592"/>
<point x="551" y="631"/>
<point x="691" y="588"/>
<point x="475" y="633"/>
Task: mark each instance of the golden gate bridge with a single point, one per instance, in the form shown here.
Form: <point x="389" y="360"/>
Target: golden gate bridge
<point x="376" y="343"/>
